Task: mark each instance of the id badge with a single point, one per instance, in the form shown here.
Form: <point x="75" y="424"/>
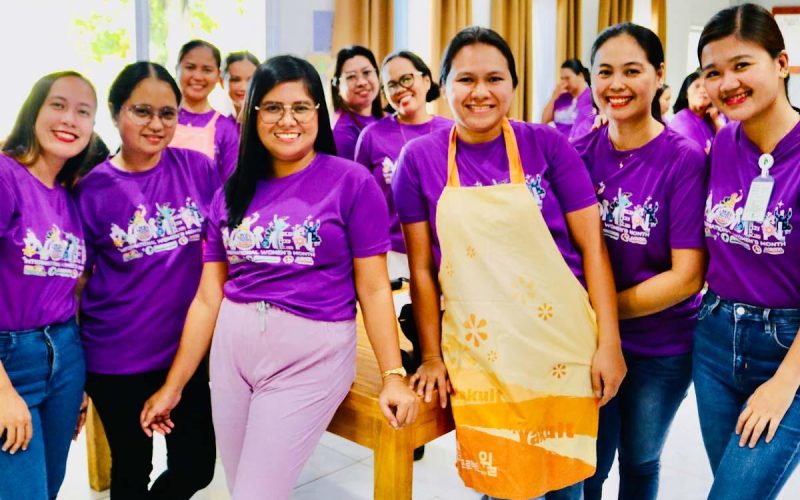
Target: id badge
<point x="755" y="209"/>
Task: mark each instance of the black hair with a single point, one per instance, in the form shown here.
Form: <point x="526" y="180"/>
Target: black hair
<point x="235" y="57"/>
<point x="342" y="57"/>
<point x="470" y="36"/>
<point x="133" y="74"/>
<point x="22" y="144"/>
<point x="748" y="22"/>
<point x="682" y="100"/>
<point x="646" y="39"/>
<point x="193" y="44"/>
<point x="98" y="153"/>
<point x="419" y="65"/>
<point x="577" y="67"/>
<point x="255" y="162"/>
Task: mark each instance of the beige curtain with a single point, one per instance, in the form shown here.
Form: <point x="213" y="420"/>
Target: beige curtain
<point x="612" y="12"/>
<point x="513" y="20"/>
<point x="658" y="21"/>
<point x="364" y="22"/>
<point x="448" y="17"/>
<point x="568" y="44"/>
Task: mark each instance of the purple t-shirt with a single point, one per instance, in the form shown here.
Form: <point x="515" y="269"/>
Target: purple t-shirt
<point x="296" y="245"/>
<point x="691" y="126"/>
<point x="650" y="205"/>
<point x="569" y="111"/>
<point x="42" y="252"/>
<point x="143" y="235"/>
<point x="379" y="146"/>
<point x="554" y="174"/>
<point x="346" y="130"/>
<point x="751" y="262"/>
<point x="226" y="138"/>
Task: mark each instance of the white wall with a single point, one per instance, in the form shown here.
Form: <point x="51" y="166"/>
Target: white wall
<point x="590" y="9"/>
<point x="544" y="54"/>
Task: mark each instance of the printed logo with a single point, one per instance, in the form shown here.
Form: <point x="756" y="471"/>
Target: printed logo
<point x="388" y="169"/>
<point x="534" y="184"/>
<point x="278" y="242"/>
<point x="622" y="220"/>
<point x="724" y="222"/>
<point x="62" y="254"/>
<point x="567" y="116"/>
<point x="162" y="232"/>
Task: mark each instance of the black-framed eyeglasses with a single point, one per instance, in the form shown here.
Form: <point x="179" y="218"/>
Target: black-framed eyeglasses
<point x="405" y="81"/>
<point x="143" y="114"/>
<point x="272" y="112"/>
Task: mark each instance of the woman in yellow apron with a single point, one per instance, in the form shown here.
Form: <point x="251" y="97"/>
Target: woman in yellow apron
<point x="506" y="214"/>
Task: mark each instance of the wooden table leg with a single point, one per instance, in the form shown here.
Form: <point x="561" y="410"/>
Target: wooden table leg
<point x="394" y="463"/>
<point x="97" y="451"/>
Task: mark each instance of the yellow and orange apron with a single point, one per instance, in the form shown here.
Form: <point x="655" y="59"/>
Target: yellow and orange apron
<point x="518" y="337"/>
<point x="197" y="138"/>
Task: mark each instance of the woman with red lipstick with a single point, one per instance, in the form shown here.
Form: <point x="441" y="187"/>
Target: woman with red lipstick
<point x="239" y="69"/>
<point x="501" y="221"/>
<point x="747" y="352"/>
<point x="200" y="127"/>
<point x="144" y="213"/>
<point x="42" y="255"/>
<point x="408" y="88"/>
<point x="650" y="184"/>
<point x="354" y="89"/>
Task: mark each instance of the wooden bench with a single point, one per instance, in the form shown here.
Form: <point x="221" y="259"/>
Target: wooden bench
<point x="358" y="419"/>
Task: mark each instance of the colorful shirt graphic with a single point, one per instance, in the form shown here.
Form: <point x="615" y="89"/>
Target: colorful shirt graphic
<point x="143" y="233"/>
<point x="296" y="243"/>
<point x="42" y="250"/>
<point x="753" y="262"/>
<point x="651" y="202"/>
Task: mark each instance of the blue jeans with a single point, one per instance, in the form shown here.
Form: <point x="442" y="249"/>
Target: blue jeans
<point x="637" y="421"/>
<point x="738" y="347"/>
<point x="46" y="368"/>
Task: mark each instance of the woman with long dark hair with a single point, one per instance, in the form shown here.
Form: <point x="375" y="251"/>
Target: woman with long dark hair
<point x="42" y="255"/>
<point x="294" y="239"/>
<point x="694" y="116"/>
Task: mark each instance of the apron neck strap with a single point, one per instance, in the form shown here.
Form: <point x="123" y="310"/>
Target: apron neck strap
<point x="516" y="174"/>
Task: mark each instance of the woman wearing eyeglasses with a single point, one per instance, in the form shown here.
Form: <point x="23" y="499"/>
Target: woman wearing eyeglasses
<point x="408" y="86"/>
<point x="354" y="89"/>
<point x="144" y="214"/>
<point x="294" y="238"/>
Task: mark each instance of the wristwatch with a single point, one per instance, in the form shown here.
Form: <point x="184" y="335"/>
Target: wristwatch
<point x="395" y="371"/>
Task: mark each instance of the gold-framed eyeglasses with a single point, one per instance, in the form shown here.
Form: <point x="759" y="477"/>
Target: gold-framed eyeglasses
<point x="351" y="77"/>
<point x="405" y="81"/>
<point x="143" y="114"/>
<point x="272" y="112"/>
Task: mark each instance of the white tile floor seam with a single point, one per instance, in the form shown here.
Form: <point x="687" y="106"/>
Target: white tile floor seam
<point x="341" y="470"/>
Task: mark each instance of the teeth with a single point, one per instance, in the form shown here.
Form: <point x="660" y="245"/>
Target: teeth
<point x="618" y="100"/>
<point x="287" y="135"/>
<point x="65" y="135"/>
<point x="479" y="108"/>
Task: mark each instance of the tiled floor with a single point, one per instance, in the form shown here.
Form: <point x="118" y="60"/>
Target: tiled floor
<point x="340" y="470"/>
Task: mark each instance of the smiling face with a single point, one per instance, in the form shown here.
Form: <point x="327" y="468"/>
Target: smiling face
<point x="198" y="74"/>
<point x="239" y="75"/>
<point x="358" y="84"/>
<point x="288" y="140"/>
<point x="64" y="124"/>
<point x="406" y="101"/>
<point x="624" y="83"/>
<point x="141" y="137"/>
<point x="741" y="78"/>
<point x="479" y="90"/>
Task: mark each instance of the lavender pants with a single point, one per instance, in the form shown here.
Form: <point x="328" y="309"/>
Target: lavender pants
<point x="276" y="381"/>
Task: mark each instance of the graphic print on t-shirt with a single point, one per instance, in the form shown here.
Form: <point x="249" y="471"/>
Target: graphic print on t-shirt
<point x="62" y="254"/>
<point x="388" y="168"/>
<point x="534" y="184"/>
<point x="724" y="222"/>
<point x="622" y="220"/>
<point x="161" y="232"/>
<point x="278" y="241"/>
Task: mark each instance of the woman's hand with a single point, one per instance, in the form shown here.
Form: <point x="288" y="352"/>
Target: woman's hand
<point x="431" y="374"/>
<point x="765" y="410"/>
<point x="155" y="415"/>
<point x="81" y="417"/>
<point x="600" y="121"/>
<point x="15" y="420"/>
<point x="608" y="370"/>
<point x="398" y="403"/>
